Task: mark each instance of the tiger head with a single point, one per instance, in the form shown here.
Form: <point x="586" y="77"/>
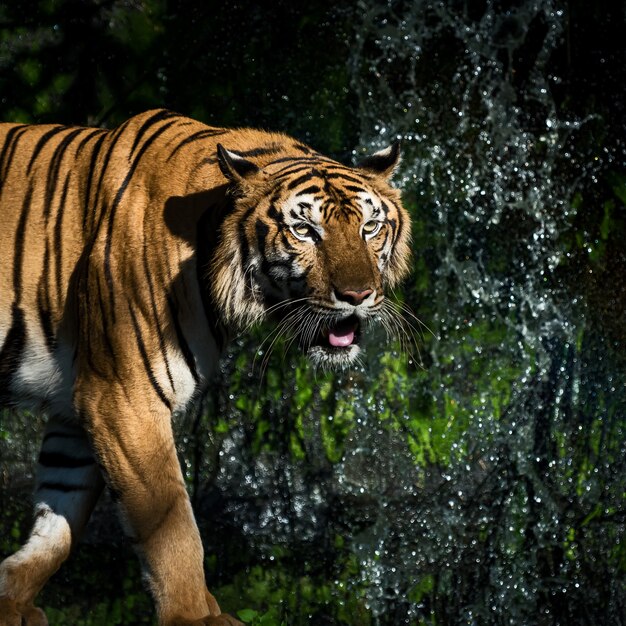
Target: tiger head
<point x="313" y="244"/>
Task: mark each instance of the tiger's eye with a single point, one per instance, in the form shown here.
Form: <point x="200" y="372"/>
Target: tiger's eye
<point x="301" y="230"/>
<point x="371" y="228"/>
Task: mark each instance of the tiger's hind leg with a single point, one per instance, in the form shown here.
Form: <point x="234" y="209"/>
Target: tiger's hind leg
<point x="69" y="483"/>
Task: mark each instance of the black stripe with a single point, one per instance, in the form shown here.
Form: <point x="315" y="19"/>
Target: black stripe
<point x="262" y="230"/>
<point x="156" y="315"/>
<point x="106" y="325"/>
<point x="88" y="349"/>
<point x="201" y="134"/>
<point x="347" y="211"/>
<point x="285" y="241"/>
<point x="273" y="148"/>
<point x="384" y="244"/>
<point x="309" y="189"/>
<point x="8" y="151"/>
<point x="8" y="144"/>
<point x="302" y="148"/>
<point x="275" y="214"/>
<point x="18" y="253"/>
<point x="182" y="342"/>
<point x="115" y="137"/>
<point x="60" y="459"/>
<point x="12" y="349"/>
<point x="43" y="303"/>
<point x="244" y="246"/>
<point x="39" y="146"/>
<point x="163" y="114"/>
<point x="356" y="189"/>
<point x="146" y="361"/>
<point x="95" y="153"/>
<point x="90" y="133"/>
<point x="58" y="243"/>
<point x="393" y="224"/>
<point x="312" y="160"/>
<point x="108" y="274"/>
<point x="400" y="221"/>
<point x="301" y="179"/>
<point x="292" y="160"/>
<point x="54" y="168"/>
<point x="396" y="227"/>
<point x="342" y="176"/>
<point x="291" y="170"/>
<point x="335" y="193"/>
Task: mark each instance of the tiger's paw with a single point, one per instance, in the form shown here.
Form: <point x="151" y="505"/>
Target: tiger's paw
<point x="14" y="614"/>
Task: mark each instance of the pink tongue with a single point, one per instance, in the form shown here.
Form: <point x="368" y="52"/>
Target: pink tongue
<point x="341" y="337"/>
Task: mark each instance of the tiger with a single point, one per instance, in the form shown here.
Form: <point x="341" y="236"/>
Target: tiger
<point x="130" y="258"/>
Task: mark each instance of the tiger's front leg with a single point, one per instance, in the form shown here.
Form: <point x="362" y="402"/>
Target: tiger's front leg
<point x="134" y="443"/>
<point x="69" y="483"/>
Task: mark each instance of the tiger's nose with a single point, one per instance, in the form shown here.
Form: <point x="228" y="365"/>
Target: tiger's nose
<point x="353" y="296"/>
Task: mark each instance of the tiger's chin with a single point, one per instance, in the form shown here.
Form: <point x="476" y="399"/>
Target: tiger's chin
<point x="326" y="357"/>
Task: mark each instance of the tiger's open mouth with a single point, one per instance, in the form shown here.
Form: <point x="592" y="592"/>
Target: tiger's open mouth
<point x="341" y="334"/>
<point x="337" y="344"/>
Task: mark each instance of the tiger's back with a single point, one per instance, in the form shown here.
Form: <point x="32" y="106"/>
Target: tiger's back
<point x="128" y="256"/>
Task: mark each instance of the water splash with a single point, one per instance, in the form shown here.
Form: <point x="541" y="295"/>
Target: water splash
<point x="490" y="174"/>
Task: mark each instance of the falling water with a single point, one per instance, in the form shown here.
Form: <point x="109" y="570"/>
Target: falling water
<point x="492" y="175"/>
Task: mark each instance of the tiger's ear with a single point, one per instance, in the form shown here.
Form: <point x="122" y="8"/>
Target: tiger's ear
<point x="384" y="162"/>
<point x="234" y="167"/>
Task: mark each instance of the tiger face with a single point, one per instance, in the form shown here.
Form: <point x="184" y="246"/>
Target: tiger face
<point x="312" y="244"/>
